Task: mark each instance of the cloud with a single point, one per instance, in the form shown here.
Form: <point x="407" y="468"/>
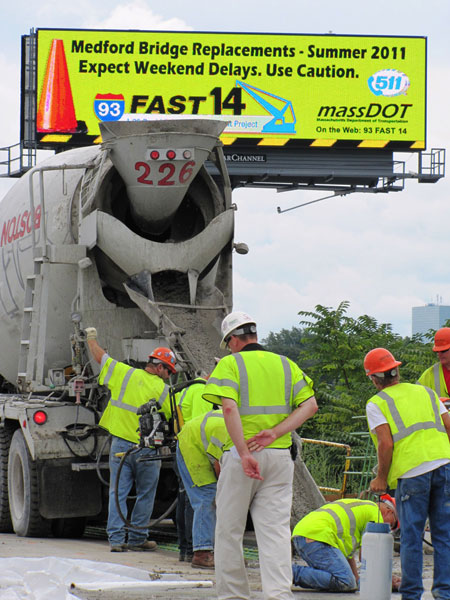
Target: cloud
<point x="274" y="305"/>
<point x="137" y="15"/>
<point x="383" y="253"/>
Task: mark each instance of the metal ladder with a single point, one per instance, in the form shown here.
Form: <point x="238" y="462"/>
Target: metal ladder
<point x="34" y="322"/>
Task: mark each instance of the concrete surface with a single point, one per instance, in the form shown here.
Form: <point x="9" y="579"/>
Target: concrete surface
<point x="162" y="563"/>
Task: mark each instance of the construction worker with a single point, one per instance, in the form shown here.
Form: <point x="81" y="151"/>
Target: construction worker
<point x="190" y="404"/>
<point x="437" y="377"/>
<point x="410" y="428"/>
<point x="264" y="397"/>
<point x="130" y="388"/>
<point x="200" y="446"/>
<point x="328" y="538"/>
<point x="190" y="400"/>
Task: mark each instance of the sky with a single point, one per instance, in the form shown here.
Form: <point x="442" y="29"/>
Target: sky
<point x="384" y="253"/>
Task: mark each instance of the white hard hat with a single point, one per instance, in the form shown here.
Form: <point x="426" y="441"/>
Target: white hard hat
<point x="233" y="321"/>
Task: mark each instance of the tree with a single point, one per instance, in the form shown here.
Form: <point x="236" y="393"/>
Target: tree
<point x="287" y="342"/>
<point x="330" y="347"/>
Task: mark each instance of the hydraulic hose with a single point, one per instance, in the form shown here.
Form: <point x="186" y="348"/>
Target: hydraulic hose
<point x="116" y="494"/>
<point x="97" y="462"/>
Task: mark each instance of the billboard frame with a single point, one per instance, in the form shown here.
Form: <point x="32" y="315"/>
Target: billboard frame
<point x="54" y="142"/>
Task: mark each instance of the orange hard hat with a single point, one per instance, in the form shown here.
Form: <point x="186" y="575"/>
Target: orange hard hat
<point x="442" y="339"/>
<point x="388" y="499"/>
<point x="390" y="502"/>
<point x="165" y="356"/>
<point x="379" y="360"/>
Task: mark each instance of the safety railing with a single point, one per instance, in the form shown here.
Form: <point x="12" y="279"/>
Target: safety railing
<point x="339" y="491"/>
<point x="367" y="459"/>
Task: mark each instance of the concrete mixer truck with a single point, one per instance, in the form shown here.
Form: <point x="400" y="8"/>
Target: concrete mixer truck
<point x="133" y="237"/>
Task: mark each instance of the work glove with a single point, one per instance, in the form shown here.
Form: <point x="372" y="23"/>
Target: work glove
<point x="91" y="333"/>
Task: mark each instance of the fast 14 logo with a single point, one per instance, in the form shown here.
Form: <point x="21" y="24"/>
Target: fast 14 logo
<point x="109" y="107"/>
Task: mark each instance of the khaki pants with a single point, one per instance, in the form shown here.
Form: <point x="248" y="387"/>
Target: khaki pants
<point x="269" y="502"/>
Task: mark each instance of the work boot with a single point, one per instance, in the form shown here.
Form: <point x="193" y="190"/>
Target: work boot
<point x="145" y="546"/>
<point x="118" y="548"/>
<point x="203" y="559"/>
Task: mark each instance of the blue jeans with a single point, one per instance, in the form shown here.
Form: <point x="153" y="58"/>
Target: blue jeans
<point x="417" y="498"/>
<point x="202" y="499"/>
<point x="328" y="568"/>
<point x="145" y="475"/>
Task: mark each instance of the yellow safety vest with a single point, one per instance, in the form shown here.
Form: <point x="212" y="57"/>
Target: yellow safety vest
<point x="434" y="379"/>
<point x="339" y="524"/>
<point x="130" y="388"/>
<point x="265" y="386"/>
<point x="190" y="401"/>
<point x="201" y="437"/>
<point x="412" y="412"/>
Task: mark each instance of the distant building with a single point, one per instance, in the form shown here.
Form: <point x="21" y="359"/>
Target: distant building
<point x="430" y="316"/>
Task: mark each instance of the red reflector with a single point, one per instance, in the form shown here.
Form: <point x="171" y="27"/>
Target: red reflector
<point x="154" y="154"/>
<point x="171" y="154"/>
<point x="40" y="417"/>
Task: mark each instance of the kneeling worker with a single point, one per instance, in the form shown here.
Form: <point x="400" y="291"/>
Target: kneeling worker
<point x="200" y="446"/>
<point x="328" y="537"/>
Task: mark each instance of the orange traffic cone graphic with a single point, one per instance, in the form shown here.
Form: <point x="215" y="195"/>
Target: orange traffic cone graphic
<point x="56" y="112"/>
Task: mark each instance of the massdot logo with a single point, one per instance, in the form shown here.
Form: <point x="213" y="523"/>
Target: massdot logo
<point x="388" y="82"/>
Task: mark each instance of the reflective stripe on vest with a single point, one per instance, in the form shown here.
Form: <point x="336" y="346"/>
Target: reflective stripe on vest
<point x="437" y="380"/>
<point x="119" y="402"/>
<point x="185" y="391"/>
<point x="163" y="396"/>
<point x="351" y="518"/>
<point x="224" y="383"/>
<point x="403" y="431"/>
<point x="216" y="442"/>
<point x="109" y="372"/>
<point x="180" y="403"/>
<point x="246" y="409"/>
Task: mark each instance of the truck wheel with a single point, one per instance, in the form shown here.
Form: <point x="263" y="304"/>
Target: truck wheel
<point x="5" y="515"/>
<point x="23" y="491"/>
<point x="72" y="528"/>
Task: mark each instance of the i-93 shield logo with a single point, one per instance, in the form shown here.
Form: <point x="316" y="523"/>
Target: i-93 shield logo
<point x="109" y="107"/>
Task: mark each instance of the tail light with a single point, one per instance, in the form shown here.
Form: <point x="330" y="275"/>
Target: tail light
<point x="40" y="417"/>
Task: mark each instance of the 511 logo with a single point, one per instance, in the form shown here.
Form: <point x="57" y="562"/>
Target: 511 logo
<point x="388" y="82"/>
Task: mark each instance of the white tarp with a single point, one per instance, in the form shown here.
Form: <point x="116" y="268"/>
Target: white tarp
<point x="51" y="577"/>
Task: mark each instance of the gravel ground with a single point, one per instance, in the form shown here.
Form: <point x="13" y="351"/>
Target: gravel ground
<point x="162" y="565"/>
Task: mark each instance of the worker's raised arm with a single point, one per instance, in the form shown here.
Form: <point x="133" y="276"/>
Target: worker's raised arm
<point x="91" y="338"/>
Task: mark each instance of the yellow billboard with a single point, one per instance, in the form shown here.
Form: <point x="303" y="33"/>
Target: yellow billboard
<point x="305" y="90"/>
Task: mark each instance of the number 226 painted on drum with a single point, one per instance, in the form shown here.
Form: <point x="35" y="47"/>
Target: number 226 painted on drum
<point x="167" y="173"/>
